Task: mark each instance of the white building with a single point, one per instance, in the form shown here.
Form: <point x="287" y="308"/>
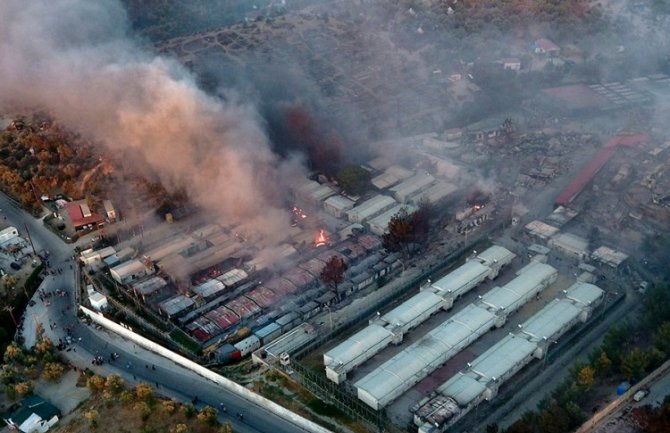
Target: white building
<point x="570" y="245"/>
<point x="390" y="177"/>
<point x="505" y="300"/>
<point x="35" y="415"/>
<point x="131" y="270"/>
<point x="9" y="235"/>
<point x="337" y="205"/>
<point x="90" y="257"/>
<point x="609" y="257"/>
<point x="370" y="208"/>
<point x="404" y="370"/>
<point x="436" y="193"/>
<point x="379" y="224"/>
<point x="414" y="185"/>
<point x="482" y="378"/>
<point x="541" y="230"/>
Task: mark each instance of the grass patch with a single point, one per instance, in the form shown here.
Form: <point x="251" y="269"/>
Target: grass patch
<point x="184" y="340"/>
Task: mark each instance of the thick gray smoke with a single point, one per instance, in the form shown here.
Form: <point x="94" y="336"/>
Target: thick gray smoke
<point x="76" y="59"/>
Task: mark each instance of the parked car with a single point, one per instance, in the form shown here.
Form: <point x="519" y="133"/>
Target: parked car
<point x="15" y="266"/>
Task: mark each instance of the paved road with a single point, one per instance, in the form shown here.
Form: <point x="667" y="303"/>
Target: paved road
<point x="135" y="364"/>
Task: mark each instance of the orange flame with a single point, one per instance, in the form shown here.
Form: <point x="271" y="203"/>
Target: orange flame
<point x="321" y="239"/>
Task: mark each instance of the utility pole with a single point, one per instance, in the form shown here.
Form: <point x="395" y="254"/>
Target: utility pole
<point x="30" y="239"/>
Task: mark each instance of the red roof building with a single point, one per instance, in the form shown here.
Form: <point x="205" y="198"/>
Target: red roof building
<point x="596" y="164"/>
<point x="80" y="215"/>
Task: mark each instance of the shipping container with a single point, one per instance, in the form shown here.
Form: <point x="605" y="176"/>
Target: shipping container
<point x="248" y="345"/>
<point x="268" y="333"/>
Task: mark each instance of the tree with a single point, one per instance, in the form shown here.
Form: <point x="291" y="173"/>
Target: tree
<point x="207" y="416"/>
<point x="189" y="410"/>
<point x="126" y="397"/>
<point x="662" y="338"/>
<point x="43" y="346"/>
<point x="585" y="378"/>
<point x="634" y="363"/>
<point x="53" y="371"/>
<point x="23" y="388"/>
<point x="226" y="428"/>
<point x="332" y="274"/>
<point x="13" y="353"/>
<point x="603" y="364"/>
<point x="401" y="233"/>
<point x="96" y="383"/>
<point x="144" y="392"/>
<point x="144" y="409"/>
<point x="179" y="428"/>
<point x="353" y="179"/>
<point x="93" y="417"/>
<point x="114" y="384"/>
<point x="492" y="428"/>
<point x="170" y="406"/>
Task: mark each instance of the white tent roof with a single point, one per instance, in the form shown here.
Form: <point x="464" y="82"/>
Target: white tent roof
<point x="357" y="347"/>
<point x="461" y="277"/>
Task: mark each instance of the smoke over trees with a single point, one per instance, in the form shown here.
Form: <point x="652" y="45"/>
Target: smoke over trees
<point x="76" y="60"/>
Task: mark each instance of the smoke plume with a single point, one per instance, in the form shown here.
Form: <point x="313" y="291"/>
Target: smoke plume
<point x="78" y="60"/>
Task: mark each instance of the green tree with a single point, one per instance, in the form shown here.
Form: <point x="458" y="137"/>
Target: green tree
<point x="179" y="428"/>
<point x="114" y="384"/>
<point x="226" y="428"/>
<point x="657" y="305"/>
<point x="662" y="338"/>
<point x="585" y="378"/>
<point x="189" y="410"/>
<point x="353" y="179"/>
<point x="207" y="415"/>
<point x="602" y="364"/>
<point x="634" y="363"/>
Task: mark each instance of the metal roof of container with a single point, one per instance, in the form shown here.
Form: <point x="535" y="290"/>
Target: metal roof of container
<point x="280" y="285"/>
<point x="510" y="294"/>
<point x="462" y="276"/>
<point x="420" y="358"/>
<point x="233" y="277"/>
<point x="369" y="242"/>
<point x="223" y="317"/>
<point x="313" y="266"/>
<point x="495" y="253"/>
<point x="149" y="286"/>
<point x="411" y="308"/>
<point x="357" y="347"/>
<point x="496" y="362"/>
<point x="549" y="321"/>
<point x="339" y="202"/>
<point x="382" y="220"/>
<point x="209" y="288"/>
<point x="176" y="304"/>
<point x="171" y="247"/>
<point x="299" y="277"/>
<point x="584" y="293"/>
<point x="390" y="177"/>
<point x="462" y="388"/>
<point x="371" y="207"/>
<point x="412" y="185"/>
<point x="262" y="296"/>
<point x="243" y="307"/>
<point x="436" y="192"/>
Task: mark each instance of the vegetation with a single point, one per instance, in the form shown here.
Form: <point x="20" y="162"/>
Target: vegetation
<point x="406" y="231"/>
<point x="140" y="409"/>
<point x="626" y="353"/>
<point x="332" y="274"/>
<point x="353" y="179"/>
<point x="14" y="304"/>
<point x="22" y="367"/>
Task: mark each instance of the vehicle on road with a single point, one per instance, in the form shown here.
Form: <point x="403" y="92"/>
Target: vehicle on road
<point x="640" y="395"/>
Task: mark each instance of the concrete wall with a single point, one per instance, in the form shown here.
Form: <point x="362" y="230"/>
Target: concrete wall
<point x="207" y="374"/>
